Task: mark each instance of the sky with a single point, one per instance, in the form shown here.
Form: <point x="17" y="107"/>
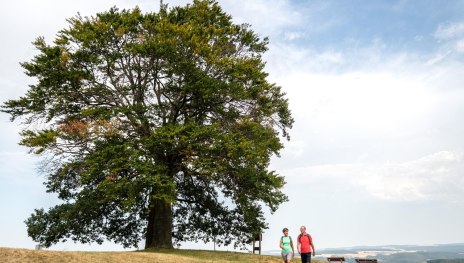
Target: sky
<point x="376" y="155"/>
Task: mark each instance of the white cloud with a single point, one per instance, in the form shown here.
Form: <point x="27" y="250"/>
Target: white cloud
<point x="459" y="46"/>
<point x="359" y="101"/>
<point x="433" y="177"/>
<point x="452" y="36"/>
<point x="437" y="58"/>
<point x="450" y="30"/>
<point x="292" y="35"/>
<point x="363" y="116"/>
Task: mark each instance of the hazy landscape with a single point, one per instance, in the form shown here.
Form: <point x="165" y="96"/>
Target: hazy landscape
<point x="397" y="253"/>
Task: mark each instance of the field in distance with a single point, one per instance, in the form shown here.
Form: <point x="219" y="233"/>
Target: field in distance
<point x="166" y="256"/>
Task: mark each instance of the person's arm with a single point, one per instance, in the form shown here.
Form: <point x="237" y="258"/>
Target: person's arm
<point x="280" y="244"/>
<point x="312" y="246"/>
<point x="291" y="244"/>
<point x="298" y="246"/>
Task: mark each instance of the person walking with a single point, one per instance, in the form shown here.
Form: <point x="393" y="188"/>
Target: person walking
<point x="305" y="246"/>
<point x="286" y="244"/>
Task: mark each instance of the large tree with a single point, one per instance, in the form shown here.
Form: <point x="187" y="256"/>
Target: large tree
<point x="154" y="125"/>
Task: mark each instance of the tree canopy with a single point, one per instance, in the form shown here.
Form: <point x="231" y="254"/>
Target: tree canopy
<point x="156" y="126"/>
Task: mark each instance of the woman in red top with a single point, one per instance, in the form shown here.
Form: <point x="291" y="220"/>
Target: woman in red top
<point x="305" y="246"/>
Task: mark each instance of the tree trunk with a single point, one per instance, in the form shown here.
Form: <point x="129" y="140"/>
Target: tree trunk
<point x="159" y="232"/>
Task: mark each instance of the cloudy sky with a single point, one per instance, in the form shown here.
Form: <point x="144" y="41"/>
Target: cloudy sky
<point x="377" y="92"/>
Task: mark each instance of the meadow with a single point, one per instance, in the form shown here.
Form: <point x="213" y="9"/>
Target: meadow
<point x="165" y="256"/>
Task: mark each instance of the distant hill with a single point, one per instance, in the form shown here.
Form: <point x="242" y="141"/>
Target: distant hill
<point x="446" y="261"/>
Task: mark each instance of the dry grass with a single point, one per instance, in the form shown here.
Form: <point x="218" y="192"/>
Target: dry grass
<point x="165" y="256"/>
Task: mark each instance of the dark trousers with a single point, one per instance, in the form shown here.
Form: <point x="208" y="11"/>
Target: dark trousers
<point x="305" y="257"/>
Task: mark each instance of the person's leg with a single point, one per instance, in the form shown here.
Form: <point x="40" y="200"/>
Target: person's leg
<point x="309" y="257"/>
<point x="304" y="257"/>
<point x="287" y="257"/>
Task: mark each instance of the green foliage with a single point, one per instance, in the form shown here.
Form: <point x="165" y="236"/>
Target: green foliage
<point x="135" y="107"/>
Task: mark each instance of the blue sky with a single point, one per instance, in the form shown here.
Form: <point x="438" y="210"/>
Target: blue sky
<point x="376" y="89"/>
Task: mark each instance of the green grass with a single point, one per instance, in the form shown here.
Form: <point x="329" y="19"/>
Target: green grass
<point x="13" y="255"/>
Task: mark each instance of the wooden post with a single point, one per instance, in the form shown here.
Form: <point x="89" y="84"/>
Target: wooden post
<point x="259" y="238"/>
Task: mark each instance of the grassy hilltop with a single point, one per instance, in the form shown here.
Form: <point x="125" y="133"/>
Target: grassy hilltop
<point x="165" y="256"/>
